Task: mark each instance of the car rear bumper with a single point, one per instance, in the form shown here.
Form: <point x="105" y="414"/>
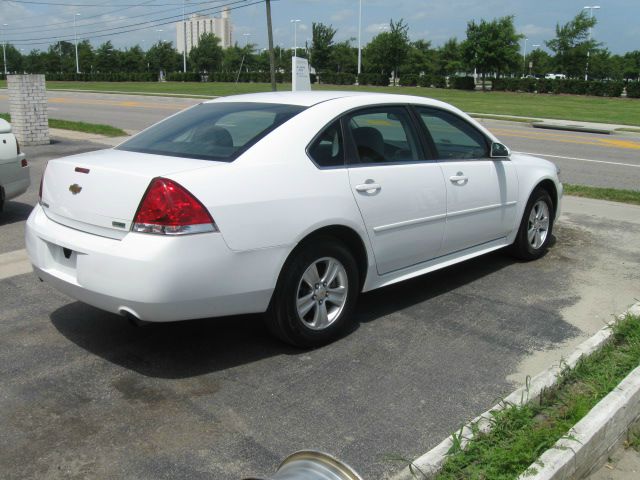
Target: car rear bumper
<point x="155" y="278"/>
<point x="16" y="178"/>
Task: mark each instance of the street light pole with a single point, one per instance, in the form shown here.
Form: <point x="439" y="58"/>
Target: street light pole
<point x="524" y="57"/>
<point x="591" y="9"/>
<point x="4" y="51"/>
<point x="75" y="37"/>
<point x="535" y="45"/>
<point x="295" y="36"/>
<point x="359" y="40"/>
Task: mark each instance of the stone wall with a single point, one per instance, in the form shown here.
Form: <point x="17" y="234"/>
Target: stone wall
<point x="28" y="108"/>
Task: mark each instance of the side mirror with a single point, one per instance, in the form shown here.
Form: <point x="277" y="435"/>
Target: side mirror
<point x="499" y="150"/>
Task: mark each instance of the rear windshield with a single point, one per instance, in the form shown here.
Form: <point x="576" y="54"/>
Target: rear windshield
<point x="212" y="131"/>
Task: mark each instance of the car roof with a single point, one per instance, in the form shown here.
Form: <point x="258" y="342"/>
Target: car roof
<point x="310" y="98"/>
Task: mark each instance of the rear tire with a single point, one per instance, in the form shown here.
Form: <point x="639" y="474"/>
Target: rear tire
<point x="536" y="227"/>
<point x="316" y="294"/>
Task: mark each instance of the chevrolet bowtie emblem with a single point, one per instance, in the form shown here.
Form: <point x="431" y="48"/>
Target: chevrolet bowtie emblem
<point x="75" y="188"/>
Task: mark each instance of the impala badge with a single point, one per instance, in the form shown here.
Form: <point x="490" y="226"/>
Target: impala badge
<point x="75" y="188"/>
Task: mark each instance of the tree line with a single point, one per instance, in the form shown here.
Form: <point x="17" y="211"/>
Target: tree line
<point x="490" y="49"/>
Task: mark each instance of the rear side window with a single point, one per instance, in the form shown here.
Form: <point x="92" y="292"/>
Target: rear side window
<point x="212" y="131"/>
<point x="453" y="137"/>
<point x="328" y="148"/>
<point x="384" y="135"/>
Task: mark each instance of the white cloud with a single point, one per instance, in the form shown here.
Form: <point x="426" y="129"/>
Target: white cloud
<point x="531" y="30"/>
<point x="377" y="27"/>
<point x="342" y="15"/>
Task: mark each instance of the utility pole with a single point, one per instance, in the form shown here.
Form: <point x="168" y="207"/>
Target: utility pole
<point x="75" y="37"/>
<point x="4" y="51"/>
<point x="272" y="59"/>
<point x="184" y="50"/>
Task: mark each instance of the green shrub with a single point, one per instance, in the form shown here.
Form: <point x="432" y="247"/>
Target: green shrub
<point x="409" y="80"/>
<point x="462" y="83"/>
<point x="633" y="89"/>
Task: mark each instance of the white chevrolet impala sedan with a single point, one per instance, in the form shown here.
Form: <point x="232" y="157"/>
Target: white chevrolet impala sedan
<point x="285" y="203"/>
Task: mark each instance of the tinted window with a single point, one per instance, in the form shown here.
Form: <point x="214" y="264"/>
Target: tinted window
<point x="327" y="150"/>
<point x="212" y="131"/>
<point x="384" y="135"/>
<point x="453" y="137"/>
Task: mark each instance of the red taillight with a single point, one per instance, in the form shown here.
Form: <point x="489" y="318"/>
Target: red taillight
<point x="167" y="208"/>
<point x="24" y="163"/>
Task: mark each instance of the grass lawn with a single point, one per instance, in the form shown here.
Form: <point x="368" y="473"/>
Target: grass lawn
<point x="612" y="194"/>
<point x="96" y="128"/>
<point x="521" y="434"/>
<point x="569" y="107"/>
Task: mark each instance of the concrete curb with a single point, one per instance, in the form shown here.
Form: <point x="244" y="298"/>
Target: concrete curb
<point x="428" y="465"/>
<point x="571" y="128"/>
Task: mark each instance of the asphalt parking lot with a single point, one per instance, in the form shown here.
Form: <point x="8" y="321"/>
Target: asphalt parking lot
<point x="83" y="394"/>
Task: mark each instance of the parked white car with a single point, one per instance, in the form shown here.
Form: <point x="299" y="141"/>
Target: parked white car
<point x="285" y="203"/>
<point x="14" y="168"/>
<point x="555" y="76"/>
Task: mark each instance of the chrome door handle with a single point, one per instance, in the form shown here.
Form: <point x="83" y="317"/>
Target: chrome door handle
<point x="459" y="179"/>
<point x="368" y="187"/>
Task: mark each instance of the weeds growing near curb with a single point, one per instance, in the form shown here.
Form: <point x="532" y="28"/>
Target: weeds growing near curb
<point x="611" y="194"/>
<point x="520" y="434"/>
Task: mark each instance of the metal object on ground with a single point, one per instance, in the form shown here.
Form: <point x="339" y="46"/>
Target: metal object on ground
<point x="311" y="465"/>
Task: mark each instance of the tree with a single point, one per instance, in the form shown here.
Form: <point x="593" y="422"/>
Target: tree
<point x="207" y="56"/>
<point x="449" y="58"/>
<point x="14" y="59"/>
<point x="421" y="58"/>
<point x="541" y="62"/>
<point x="162" y="57"/>
<point x="86" y="56"/>
<point x="492" y="47"/>
<point x="322" y="46"/>
<point x="343" y="58"/>
<point x="106" y="60"/>
<point x="133" y="60"/>
<point x="61" y="57"/>
<point x="572" y="45"/>
<point x="388" y="50"/>
<point x="35" y="62"/>
<point x="631" y="66"/>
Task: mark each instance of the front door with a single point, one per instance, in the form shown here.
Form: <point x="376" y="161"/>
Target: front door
<point x="481" y="192"/>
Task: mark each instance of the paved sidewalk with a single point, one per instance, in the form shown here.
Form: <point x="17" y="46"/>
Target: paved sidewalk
<point x="624" y="464"/>
<point x="559" y="122"/>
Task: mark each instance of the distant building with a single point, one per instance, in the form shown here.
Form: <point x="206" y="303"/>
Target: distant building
<point x="198" y="25"/>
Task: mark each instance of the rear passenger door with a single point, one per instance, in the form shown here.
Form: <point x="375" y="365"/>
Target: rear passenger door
<point x="482" y="192"/>
<point x="400" y="191"/>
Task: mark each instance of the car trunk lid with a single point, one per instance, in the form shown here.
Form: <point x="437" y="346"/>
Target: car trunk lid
<point x="99" y="192"/>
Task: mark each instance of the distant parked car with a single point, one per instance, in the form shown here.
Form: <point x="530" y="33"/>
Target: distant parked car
<point x="286" y="203"/>
<point x="14" y="168"/>
<point x="555" y="76"/>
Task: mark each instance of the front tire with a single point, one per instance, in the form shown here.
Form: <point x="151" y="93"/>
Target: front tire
<point x="534" y="234"/>
<point x="315" y="295"/>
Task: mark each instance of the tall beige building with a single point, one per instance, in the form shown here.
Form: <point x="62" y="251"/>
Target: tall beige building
<point x="197" y="25"/>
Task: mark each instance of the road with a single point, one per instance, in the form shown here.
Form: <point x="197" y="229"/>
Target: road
<point x="86" y="395"/>
<point x="586" y="159"/>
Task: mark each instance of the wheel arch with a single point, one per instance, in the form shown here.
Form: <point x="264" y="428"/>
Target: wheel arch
<point x="549" y="186"/>
<point x="344" y="234"/>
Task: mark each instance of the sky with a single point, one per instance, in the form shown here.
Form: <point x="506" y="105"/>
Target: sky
<point x="37" y="23"/>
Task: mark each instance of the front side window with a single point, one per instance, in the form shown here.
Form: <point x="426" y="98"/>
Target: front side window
<point x="212" y="131"/>
<point x="383" y="135"/>
<point x="327" y="149"/>
<point x="453" y="137"/>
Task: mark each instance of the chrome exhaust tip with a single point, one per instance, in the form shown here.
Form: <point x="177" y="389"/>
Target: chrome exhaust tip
<point x="312" y="465"/>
